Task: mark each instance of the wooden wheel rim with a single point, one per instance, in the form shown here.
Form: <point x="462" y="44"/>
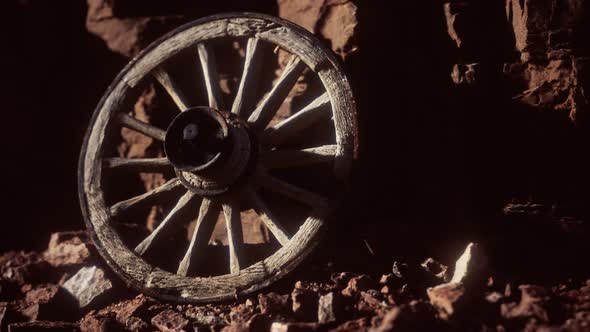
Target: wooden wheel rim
<point x="123" y="260"/>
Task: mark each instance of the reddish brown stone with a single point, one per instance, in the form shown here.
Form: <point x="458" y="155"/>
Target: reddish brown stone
<point x="447" y="298"/>
<point x="335" y="21"/>
<point x="361" y="324"/>
<point x="271" y="303"/>
<point x="99" y="323"/>
<point x="126" y="309"/>
<point x="24" y="267"/>
<point x="126" y="36"/>
<point x="240" y="313"/>
<point x="369" y="301"/>
<point x="413" y="316"/>
<point x="52" y="302"/>
<point x="170" y="321"/>
<point x="341" y="279"/>
<point x="358" y="284"/>
<point x="305" y="301"/>
<point x="67" y="248"/>
<point x="136" y="325"/>
<point x="43" y="326"/>
<point x="206" y="316"/>
<point x="531" y="305"/>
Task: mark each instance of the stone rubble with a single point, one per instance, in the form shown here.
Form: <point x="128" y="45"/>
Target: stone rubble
<point x="90" y="300"/>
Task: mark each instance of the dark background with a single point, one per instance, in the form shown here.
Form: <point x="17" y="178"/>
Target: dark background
<point x="433" y="155"/>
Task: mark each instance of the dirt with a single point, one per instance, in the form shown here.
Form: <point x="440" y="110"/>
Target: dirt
<point x="474" y="293"/>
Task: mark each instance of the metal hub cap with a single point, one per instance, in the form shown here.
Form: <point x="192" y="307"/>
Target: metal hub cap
<point x="209" y="150"/>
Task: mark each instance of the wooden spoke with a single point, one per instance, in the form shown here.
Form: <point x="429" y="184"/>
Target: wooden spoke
<point x="208" y="214"/>
<point x="138" y="164"/>
<point x="173" y="90"/>
<point x="165" y="225"/>
<point x="245" y="98"/>
<point x="292" y="158"/>
<point x="150" y="196"/>
<point x="233" y="222"/>
<point x="295" y="124"/>
<point x="299" y="194"/>
<point x="209" y="65"/>
<point x="130" y="122"/>
<point x="261" y="117"/>
<point x="268" y="219"/>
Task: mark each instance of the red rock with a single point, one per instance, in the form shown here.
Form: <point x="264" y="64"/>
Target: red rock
<point x="42" y="294"/>
<point x="22" y="311"/>
<point x="136" y="325"/>
<point x="52" y="302"/>
<point x="531" y="305"/>
<point x="305" y="301"/>
<point x="206" y="316"/>
<point x="360" y="324"/>
<point x="358" y="284"/>
<point x="389" y="282"/>
<point x="98" y="323"/>
<point x="414" y="316"/>
<point x="339" y="26"/>
<point x="335" y="21"/>
<point x="271" y="303"/>
<point x="237" y="327"/>
<point x="305" y="13"/>
<point x="387" y="323"/>
<point x="126" y="36"/>
<point x="240" y="313"/>
<point x="550" y="66"/>
<point x="494" y="297"/>
<point x="341" y="279"/>
<point x="387" y="279"/>
<point x="43" y="326"/>
<point x="170" y="321"/>
<point x="24" y="267"/>
<point x="580" y="322"/>
<point x="369" y="302"/>
<point x="447" y="298"/>
<point x="124" y="310"/>
<point x="67" y="248"/>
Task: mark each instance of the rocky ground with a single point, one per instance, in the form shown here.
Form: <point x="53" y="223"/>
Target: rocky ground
<point x="68" y="287"/>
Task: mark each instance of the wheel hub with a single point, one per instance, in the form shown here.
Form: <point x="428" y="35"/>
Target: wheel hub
<point x="210" y="150"/>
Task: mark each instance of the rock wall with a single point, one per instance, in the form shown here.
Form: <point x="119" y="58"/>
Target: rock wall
<point x="473" y="104"/>
<point x="551" y="51"/>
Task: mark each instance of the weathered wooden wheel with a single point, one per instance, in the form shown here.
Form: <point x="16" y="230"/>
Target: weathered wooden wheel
<point x="223" y="160"/>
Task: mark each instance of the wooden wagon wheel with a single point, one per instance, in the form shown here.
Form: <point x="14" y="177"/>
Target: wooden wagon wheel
<point x="222" y="159"/>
